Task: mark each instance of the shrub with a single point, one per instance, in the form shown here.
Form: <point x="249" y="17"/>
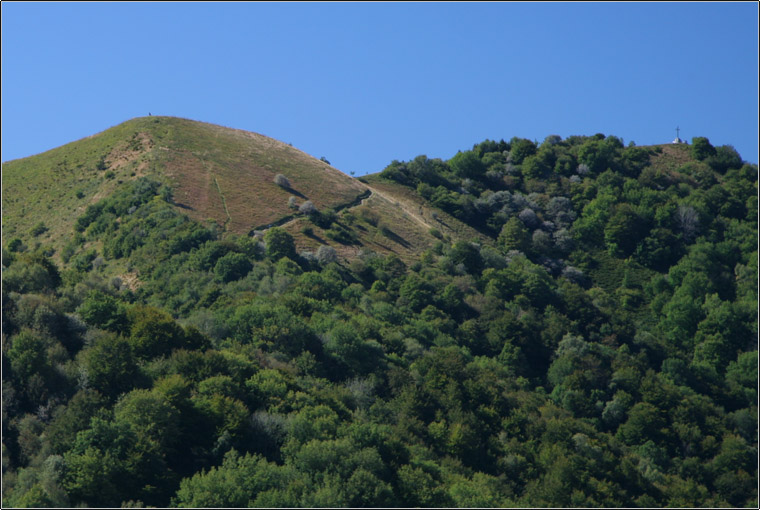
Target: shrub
<point x="467" y="165"/>
<point x="281" y="181"/>
<point x="701" y="148"/>
<point x="103" y="311"/>
<point x="232" y="266"/>
<point x="279" y="243"/>
<point x="385" y="230"/>
<point x="308" y="208"/>
<point x="341" y="234"/>
<point x="15" y="245"/>
<point x="326" y="254"/>
<point x="529" y="218"/>
<point x="38" y="229"/>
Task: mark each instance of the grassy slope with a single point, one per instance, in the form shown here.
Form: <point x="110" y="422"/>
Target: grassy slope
<point x="219" y="174"/>
<point x="227" y="175"/>
<point x="671" y="156"/>
<point x="393" y="219"/>
<point x="56" y="186"/>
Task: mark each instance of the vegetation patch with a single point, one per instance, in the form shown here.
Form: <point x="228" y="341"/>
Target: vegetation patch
<point x="564" y="324"/>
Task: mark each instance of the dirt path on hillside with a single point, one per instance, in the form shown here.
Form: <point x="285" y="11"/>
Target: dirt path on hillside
<point x="407" y="207"/>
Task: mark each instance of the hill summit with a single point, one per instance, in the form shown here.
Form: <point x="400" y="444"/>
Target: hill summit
<point x="238" y="180"/>
<point x="219" y="174"/>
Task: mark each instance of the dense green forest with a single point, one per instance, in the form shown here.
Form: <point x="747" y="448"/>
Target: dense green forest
<point x="601" y="351"/>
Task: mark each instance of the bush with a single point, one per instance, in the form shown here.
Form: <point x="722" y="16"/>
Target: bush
<point x="15" y="245"/>
<point x="385" y="230"/>
<point x="326" y="254"/>
<point x="38" y="229"/>
<point x="103" y="311"/>
<point x="281" y="181"/>
<point x="279" y="243"/>
<point x="340" y="234"/>
<point x="701" y="148"/>
<point x="467" y="165"/>
<point x="307" y="208"/>
<point x="232" y="266"/>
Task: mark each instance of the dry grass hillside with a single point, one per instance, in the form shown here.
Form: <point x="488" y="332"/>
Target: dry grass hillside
<point x="220" y="175"/>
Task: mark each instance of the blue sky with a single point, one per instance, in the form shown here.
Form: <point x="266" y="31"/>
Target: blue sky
<point x="363" y="84"/>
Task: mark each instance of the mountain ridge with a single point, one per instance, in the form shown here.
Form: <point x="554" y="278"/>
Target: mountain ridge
<point x="570" y="324"/>
<point x="217" y="175"/>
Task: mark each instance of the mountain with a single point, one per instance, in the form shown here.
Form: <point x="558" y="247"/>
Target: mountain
<point x="217" y="174"/>
<point x="196" y="316"/>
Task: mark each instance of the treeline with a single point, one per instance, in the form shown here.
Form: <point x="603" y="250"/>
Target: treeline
<point x="602" y="353"/>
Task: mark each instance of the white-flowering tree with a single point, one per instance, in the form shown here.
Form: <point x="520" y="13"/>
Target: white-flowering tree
<point x="308" y="208"/>
<point x="326" y="254"/>
<point x="281" y="181"/>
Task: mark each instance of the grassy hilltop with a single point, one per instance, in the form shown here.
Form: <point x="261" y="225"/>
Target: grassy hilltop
<point x="217" y="175"/>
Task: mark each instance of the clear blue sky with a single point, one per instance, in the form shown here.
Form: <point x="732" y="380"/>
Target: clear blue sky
<point x="363" y="84"/>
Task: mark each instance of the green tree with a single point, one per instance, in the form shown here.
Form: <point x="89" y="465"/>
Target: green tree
<point x="537" y="166"/>
<point x="74" y="417"/>
<point x="153" y="332"/>
<point x="645" y="422"/>
<point x="741" y="377"/>
<point x="468" y="254"/>
<point x="318" y="422"/>
<point x="31" y="272"/>
<point x="415" y="293"/>
<point x="521" y="149"/>
<point x="103" y="311"/>
<point x="28" y="354"/>
<point x="420" y="486"/>
<point x="232" y="266"/>
<point x="724" y="159"/>
<point x="623" y="231"/>
<point x="272" y="327"/>
<point x="236" y="483"/>
<point x="659" y="250"/>
<point x="109" y="365"/>
<point x="467" y="165"/>
<point x="701" y="148"/>
<point x="107" y="465"/>
<point x="151" y="417"/>
<point x="279" y="244"/>
<point x="360" y="357"/>
<point x="97" y="470"/>
<point x="514" y="236"/>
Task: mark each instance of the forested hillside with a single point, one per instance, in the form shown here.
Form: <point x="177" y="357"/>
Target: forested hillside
<point x="580" y="331"/>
